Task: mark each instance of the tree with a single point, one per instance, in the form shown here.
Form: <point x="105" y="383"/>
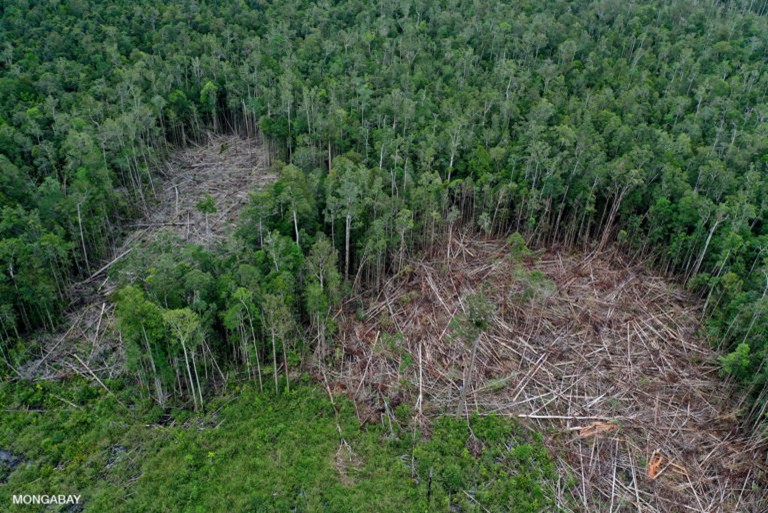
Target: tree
<point x="403" y="224"/>
<point x="292" y="190"/>
<point x="322" y="288"/>
<point x="278" y="323"/>
<point x="241" y="318"/>
<point x="207" y="206"/>
<point x="208" y="101"/>
<point x="347" y="186"/>
<point x="184" y="325"/>
<point x="142" y="328"/>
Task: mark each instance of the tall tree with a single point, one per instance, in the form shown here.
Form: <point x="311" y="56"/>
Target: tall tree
<point x="321" y="292"/>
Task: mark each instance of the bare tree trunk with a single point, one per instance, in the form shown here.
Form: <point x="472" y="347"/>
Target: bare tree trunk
<point x="197" y="381"/>
<point x="611" y="219"/>
<point x="296" y="228"/>
<point x="346" y="246"/>
<point x="189" y="373"/>
<point x="158" y="383"/>
<point x="699" y="260"/>
<point x="274" y="360"/>
<point x="285" y="364"/>
<point x="82" y="239"/>
<point x="468" y="379"/>
<point x="255" y="349"/>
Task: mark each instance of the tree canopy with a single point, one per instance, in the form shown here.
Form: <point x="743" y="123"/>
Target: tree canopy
<point x="585" y="124"/>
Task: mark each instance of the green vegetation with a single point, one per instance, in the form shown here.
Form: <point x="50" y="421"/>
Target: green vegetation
<point x="391" y="127"/>
<point x="254" y="452"/>
<point x="581" y="123"/>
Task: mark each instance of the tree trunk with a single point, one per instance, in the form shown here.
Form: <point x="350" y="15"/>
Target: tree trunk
<point x="255" y="349"/>
<point x="611" y="219"/>
<point x="346" y="246"/>
<point x="468" y="379"/>
<point x="699" y="260"/>
<point x="285" y="364"/>
<point x="274" y="360"/>
<point x="158" y="383"/>
<point x="197" y="382"/>
<point x="296" y="227"/>
<point x="82" y="239"/>
<point x="189" y="373"/>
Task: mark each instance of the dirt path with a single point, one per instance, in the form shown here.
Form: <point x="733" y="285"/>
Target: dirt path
<point x="601" y="357"/>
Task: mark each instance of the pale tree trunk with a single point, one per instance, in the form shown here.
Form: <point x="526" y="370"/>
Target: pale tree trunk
<point x="285" y="363"/>
<point x="468" y="380"/>
<point x="699" y="260"/>
<point x="82" y="239"/>
<point x="346" y="246"/>
<point x="611" y="219"/>
<point x="158" y="383"/>
<point x="255" y="349"/>
<point x="296" y="228"/>
<point x="189" y="373"/>
<point x="274" y="360"/>
<point x="197" y="381"/>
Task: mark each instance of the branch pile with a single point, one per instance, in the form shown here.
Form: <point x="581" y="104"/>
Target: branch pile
<point x="600" y="356"/>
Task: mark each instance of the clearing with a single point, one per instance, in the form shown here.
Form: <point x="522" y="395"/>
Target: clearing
<point x="601" y="356"/>
<point x="226" y="168"/>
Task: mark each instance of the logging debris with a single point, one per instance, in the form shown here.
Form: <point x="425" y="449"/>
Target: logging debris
<point x="225" y="168"/>
<point x="602" y="357"/>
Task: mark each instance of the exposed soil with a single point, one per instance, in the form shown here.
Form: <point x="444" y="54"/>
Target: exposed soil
<point x="602" y="357"/>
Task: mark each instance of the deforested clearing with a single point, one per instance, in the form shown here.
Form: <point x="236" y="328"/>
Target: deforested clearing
<point x="221" y="169"/>
<point x="397" y="256"/>
<point x="224" y="168"/>
<point x="597" y="353"/>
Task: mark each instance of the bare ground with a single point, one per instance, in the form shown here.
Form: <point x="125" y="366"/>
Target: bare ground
<point x="601" y="357"/>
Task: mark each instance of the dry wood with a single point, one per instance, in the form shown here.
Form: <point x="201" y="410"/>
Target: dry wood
<point x="226" y="168"/>
<point x="603" y="351"/>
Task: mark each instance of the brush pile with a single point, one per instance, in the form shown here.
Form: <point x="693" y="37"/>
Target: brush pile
<point x="601" y="356"/>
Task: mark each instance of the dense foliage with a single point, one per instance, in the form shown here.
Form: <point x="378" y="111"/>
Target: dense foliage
<point x="584" y="123"/>
<point x="257" y="453"/>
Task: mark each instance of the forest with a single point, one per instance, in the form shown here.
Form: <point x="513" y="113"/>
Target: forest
<point x="386" y="136"/>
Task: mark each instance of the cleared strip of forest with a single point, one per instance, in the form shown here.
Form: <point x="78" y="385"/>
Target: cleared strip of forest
<point x="226" y="168"/>
<point x="600" y="356"/>
<point x="222" y="171"/>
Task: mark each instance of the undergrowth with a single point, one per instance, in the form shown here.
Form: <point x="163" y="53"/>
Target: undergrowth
<point x="259" y="453"/>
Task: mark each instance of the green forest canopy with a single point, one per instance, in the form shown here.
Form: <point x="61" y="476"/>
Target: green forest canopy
<point x="580" y="124"/>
